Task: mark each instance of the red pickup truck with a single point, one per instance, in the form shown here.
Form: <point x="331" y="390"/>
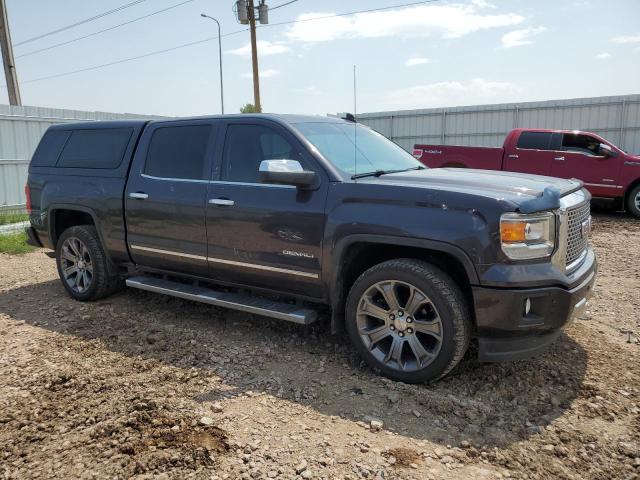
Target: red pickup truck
<point x="606" y="171"/>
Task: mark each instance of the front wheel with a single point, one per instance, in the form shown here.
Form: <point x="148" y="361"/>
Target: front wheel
<point x="633" y="202"/>
<point x="409" y="320"/>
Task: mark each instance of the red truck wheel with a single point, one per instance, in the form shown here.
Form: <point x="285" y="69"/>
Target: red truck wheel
<point x="633" y="201"/>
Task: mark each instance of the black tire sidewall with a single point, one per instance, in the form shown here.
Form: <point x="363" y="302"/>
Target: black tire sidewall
<point x="87" y="235"/>
<point x="443" y="363"/>
<point x="631" y="203"/>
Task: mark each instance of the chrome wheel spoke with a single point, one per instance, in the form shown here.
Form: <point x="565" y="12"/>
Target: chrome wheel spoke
<point x="416" y="299"/>
<point x="395" y="352"/>
<point x="367" y="307"/>
<point x="70" y="270"/>
<point x="67" y="255"/>
<point x="388" y="291"/>
<point x="377" y="334"/>
<point x="432" y="327"/>
<point x="418" y="350"/>
<point x="76" y="265"/>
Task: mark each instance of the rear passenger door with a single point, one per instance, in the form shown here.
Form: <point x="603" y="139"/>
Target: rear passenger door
<point x="533" y="154"/>
<point x="166" y="194"/>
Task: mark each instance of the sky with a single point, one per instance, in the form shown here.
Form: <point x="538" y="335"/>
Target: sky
<point x="439" y="54"/>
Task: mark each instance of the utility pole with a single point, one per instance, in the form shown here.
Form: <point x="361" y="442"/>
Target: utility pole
<point x="7" y="57"/>
<point x="254" y="57"/>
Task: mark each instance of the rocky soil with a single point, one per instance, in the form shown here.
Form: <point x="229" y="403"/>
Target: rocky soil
<point x="144" y="386"/>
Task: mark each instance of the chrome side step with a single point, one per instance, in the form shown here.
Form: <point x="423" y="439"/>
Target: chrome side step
<point x="235" y="301"/>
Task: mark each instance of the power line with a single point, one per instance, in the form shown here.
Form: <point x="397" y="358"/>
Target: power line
<point x="184" y="45"/>
<point x="103" y="31"/>
<point x="348" y="13"/>
<point x="81" y="22"/>
<point x="130" y="59"/>
<point x="282" y="5"/>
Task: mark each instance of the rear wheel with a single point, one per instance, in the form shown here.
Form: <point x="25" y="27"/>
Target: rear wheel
<point x="633" y="202"/>
<point x="408" y="319"/>
<point x="82" y="264"/>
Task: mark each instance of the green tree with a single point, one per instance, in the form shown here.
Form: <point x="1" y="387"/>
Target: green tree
<point x="248" y="108"/>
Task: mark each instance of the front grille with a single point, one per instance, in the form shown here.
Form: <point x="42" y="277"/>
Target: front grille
<point x="576" y="241"/>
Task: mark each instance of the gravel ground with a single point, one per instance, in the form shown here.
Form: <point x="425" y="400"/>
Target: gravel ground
<point x="145" y="386"/>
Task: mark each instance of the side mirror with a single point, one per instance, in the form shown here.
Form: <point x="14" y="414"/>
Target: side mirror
<point x="606" y="151"/>
<point x="285" y="172"/>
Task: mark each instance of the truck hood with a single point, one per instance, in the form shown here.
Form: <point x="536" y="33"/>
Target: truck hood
<point x="513" y="187"/>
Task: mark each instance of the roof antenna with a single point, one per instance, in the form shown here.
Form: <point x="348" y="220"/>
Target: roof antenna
<point x="355" y="131"/>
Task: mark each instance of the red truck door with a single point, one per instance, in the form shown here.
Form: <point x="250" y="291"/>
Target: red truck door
<point x="530" y="152"/>
<point x="578" y="156"/>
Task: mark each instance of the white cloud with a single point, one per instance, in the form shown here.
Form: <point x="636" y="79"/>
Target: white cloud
<point x="454" y="93"/>
<point x="626" y="39"/>
<point x="603" y="56"/>
<point x="311" y="90"/>
<point x="264" y="73"/>
<point x="448" y="21"/>
<point x="265" y="48"/>
<point x="518" y="38"/>
<point x="413" y="61"/>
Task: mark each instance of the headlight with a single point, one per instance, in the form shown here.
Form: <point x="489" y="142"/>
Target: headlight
<point x="527" y="236"/>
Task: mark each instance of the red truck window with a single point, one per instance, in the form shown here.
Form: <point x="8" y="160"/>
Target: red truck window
<point x="580" y="144"/>
<point x="535" y="140"/>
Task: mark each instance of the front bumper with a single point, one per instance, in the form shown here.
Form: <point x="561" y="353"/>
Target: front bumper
<point x="506" y="332"/>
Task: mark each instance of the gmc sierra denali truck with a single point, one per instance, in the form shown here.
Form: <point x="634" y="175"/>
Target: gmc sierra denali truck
<point x="282" y="216"/>
<point x="607" y="171"/>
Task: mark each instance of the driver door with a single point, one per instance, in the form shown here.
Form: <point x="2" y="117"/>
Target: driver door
<point x="578" y="157"/>
<point x="264" y="235"/>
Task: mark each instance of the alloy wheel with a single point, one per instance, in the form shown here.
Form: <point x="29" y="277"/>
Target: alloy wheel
<point x="76" y="264"/>
<point x="399" y="325"/>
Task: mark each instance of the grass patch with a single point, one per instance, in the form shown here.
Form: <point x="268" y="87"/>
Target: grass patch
<point x="15" y="243"/>
<point x="13" y="218"/>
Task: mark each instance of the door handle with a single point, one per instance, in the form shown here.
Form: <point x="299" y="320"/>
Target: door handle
<point x="560" y="159"/>
<point x="138" y="195"/>
<point x="513" y="156"/>
<point x="224" y="202"/>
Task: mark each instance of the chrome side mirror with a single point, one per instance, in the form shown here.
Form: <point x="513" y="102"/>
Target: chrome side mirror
<point x="285" y="172"/>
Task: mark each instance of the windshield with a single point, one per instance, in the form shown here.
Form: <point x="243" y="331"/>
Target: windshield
<point x="355" y="149"/>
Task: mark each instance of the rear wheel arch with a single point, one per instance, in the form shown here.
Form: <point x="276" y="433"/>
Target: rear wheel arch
<point x="357" y="253"/>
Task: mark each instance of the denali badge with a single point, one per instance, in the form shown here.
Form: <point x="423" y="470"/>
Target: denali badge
<point x="291" y="253"/>
<point x="586" y="227"/>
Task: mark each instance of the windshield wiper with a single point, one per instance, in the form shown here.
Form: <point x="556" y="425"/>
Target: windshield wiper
<point x="378" y="173"/>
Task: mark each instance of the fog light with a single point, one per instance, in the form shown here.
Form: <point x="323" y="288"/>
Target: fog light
<point x="527" y="306"/>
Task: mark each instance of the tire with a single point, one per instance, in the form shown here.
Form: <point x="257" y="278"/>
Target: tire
<point x="633" y="201"/>
<point x="82" y="264"/>
<point x="389" y="338"/>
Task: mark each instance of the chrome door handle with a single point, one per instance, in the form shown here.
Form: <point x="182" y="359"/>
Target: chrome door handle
<point x="560" y="159"/>
<point x="138" y="195"/>
<point x="222" y="202"/>
<point x="513" y="156"/>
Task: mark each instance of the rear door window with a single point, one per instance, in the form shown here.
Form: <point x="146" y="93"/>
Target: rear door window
<point x="49" y="148"/>
<point x="535" y="140"/>
<point x="178" y="152"/>
<point x="99" y="148"/>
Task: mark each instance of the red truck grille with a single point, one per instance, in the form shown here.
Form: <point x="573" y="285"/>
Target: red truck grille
<point x="579" y="225"/>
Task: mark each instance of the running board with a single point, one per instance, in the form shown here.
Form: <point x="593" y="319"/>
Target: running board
<point x="235" y="301"/>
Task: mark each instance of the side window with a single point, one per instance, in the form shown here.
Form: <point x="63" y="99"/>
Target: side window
<point x="178" y="152"/>
<point x="580" y="144"/>
<point x="248" y="145"/>
<point x="534" y="140"/>
<point x="99" y="148"/>
<point x="49" y="148"/>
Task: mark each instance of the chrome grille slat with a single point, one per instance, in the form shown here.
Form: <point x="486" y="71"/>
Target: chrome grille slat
<point x="576" y="242"/>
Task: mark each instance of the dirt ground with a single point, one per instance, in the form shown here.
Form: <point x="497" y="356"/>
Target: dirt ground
<point x="145" y="386"/>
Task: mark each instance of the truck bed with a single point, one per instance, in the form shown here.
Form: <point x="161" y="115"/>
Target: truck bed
<point x="434" y="156"/>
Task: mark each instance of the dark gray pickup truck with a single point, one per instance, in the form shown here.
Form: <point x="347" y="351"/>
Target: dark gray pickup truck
<point x="286" y="216"/>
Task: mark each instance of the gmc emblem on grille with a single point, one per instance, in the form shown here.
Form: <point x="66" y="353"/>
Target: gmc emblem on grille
<point x="586" y="228"/>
